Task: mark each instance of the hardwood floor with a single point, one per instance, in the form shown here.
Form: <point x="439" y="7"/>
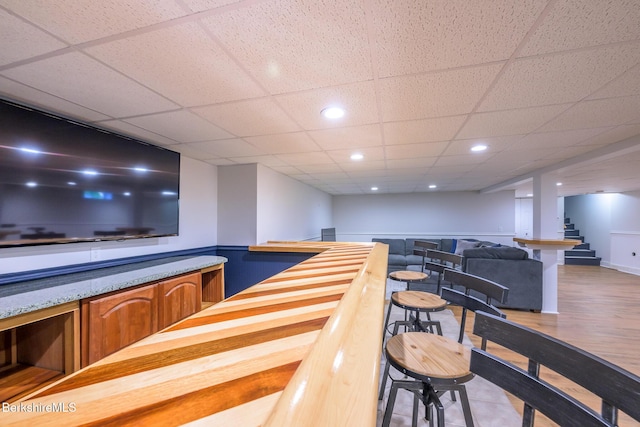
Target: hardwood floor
<point x="599" y="311"/>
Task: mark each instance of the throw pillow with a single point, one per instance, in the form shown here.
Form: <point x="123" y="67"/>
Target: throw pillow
<point x="465" y="244"/>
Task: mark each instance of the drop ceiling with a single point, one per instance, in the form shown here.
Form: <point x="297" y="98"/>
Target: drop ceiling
<point x="550" y="86"/>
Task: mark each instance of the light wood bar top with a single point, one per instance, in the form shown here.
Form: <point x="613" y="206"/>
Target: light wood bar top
<point x="292" y="350"/>
<point x="559" y="244"/>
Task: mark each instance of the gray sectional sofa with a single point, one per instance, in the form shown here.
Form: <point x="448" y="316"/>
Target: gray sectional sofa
<point x="506" y="265"/>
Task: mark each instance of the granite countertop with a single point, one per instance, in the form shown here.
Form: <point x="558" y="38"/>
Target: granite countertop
<point x="25" y="297"/>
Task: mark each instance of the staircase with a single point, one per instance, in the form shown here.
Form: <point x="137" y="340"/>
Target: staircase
<point x="581" y="254"/>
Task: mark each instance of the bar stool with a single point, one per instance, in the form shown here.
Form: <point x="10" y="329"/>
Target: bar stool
<point x="415" y="302"/>
<point x="408" y="277"/>
<point x="437" y="364"/>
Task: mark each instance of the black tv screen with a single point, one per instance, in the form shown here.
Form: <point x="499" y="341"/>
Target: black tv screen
<point x="62" y="181"/>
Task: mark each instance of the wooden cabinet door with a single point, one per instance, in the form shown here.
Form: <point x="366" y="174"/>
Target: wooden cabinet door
<point x="121" y="319"/>
<point x="178" y="298"/>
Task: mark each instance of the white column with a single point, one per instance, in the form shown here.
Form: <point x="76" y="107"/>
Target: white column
<point x="545" y="220"/>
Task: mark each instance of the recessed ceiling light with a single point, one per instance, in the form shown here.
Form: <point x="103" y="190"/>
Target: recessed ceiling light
<point x="333" y="112"/>
<point x="558" y="184"/>
<point x="479" y="147"/>
<point x="374" y="188"/>
<point x="433" y="186"/>
<point x="357" y="156"/>
<point x="31" y="184"/>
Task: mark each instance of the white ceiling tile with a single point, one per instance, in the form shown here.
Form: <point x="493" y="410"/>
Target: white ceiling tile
<point x="315" y="168"/>
<point x="463" y="147"/>
<point x="182" y="126"/>
<point x="310" y="158"/>
<point x="363" y="166"/>
<point x="21" y="40"/>
<point x="44" y="101"/>
<point x="613" y="135"/>
<point x="230" y="148"/>
<point x="358" y="100"/>
<point x="415" y="162"/>
<point x="84" y="81"/>
<point x="408" y="151"/>
<point x="251" y="117"/>
<point x="162" y="60"/>
<point x="625" y="85"/>
<point x="136" y="132"/>
<point x="202" y="5"/>
<point x="297" y="142"/>
<point x="559" y="78"/>
<point x="298" y="44"/>
<point x="444" y="93"/>
<point x="555" y="139"/>
<point x="573" y="24"/>
<point x="265" y="160"/>
<point x="597" y="113"/>
<point x="464" y="159"/>
<point x="347" y="137"/>
<point x="369" y="153"/>
<point x="76" y="21"/>
<point x="414" y="36"/>
<point x="425" y="130"/>
<point x="509" y="122"/>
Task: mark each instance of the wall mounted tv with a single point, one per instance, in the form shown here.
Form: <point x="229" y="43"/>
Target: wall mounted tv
<point x="62" y="181"/>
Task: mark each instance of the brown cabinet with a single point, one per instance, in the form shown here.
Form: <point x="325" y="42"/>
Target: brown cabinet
<point x="113" y="321"/>
<point x="178" y="298"/>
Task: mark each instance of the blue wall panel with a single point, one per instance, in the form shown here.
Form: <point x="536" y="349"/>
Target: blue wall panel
<point x="245" y="269"/>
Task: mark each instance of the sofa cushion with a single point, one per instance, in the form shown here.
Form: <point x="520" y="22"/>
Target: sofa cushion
<point x="501" y="252"/>
<point x="397" y="260"/>
<point x="396" y="246"/>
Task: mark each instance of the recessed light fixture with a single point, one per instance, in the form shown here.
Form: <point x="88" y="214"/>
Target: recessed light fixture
<point x="31" y="184"/>
<point x="432" y="186"/>
<point x="30" y="150"/>
<point x="479" y="147"/>
<point x="374" y="188"/>
<point x="558" y="184"/>
<point x="357" y="156"/>
<point x="333" y="112"/>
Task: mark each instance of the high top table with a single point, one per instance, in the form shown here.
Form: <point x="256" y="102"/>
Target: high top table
<point x="289" y="351"/>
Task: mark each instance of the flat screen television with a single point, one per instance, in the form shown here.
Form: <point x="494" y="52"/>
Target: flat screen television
<point x="63" y="181"/>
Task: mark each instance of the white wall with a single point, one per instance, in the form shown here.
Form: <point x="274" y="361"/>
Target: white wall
<point x="625" y="232"/>
<point x="591" y="214"/>
<point x="456" y="214"/>
<point x="237" y="204"/>
<point x="288" y="209"/>
<point x="197" y="228"/>
<point x="257" y="204"/>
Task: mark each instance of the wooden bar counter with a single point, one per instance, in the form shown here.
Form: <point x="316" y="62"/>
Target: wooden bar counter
<point x="300" y="348"/>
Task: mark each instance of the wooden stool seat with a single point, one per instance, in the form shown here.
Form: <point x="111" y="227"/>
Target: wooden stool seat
<point x="418" y="301"/>
<point x="408" y="276"/>
<point x="429" y="357"/>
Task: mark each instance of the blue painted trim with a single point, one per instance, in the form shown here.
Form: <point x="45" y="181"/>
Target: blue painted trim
<point x="76" y="268"/>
